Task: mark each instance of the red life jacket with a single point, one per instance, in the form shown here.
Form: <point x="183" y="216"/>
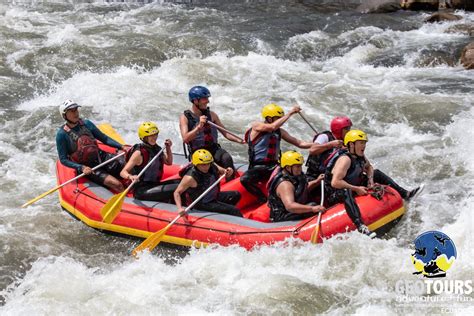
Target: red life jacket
<point x="265" y="148"/>
<point x="83" y="144"/>
<point x="277" y="207"/>
<point x="317" y="163"/>
<point x="207" y="138"/>
<point x="154" y="173"/>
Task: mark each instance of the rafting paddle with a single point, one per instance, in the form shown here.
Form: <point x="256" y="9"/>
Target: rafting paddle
<point x="314" y="235"/>
<point x="108" y="130"/>
<point x="307" y="122"/>
<point x="223" y="129"/>
<point x="154" y="239"/>
<point x="111" y="209"/>
<point x="69" y="181"/>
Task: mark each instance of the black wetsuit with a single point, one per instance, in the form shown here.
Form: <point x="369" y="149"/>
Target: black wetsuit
<point x="213" y="201"/>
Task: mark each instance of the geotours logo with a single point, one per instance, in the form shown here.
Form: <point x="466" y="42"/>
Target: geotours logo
<point x="434" y="255"/>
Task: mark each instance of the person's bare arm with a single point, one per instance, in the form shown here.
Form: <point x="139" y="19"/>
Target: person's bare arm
<point x="189" y="135"/>
<point x="135" y="160"/>
<point x="228" y="171"/>
<point x="369" y="170"/>
<point x="338" y="174"/>
<point x="317" y="149"/>
<point x="227" y="135"/>
<point x="186" y="183"/>
<point x="270" y="127"/>
<point x="168" y="152"/>
<point x="294" y="141"/>
<point x="315" y="182"/>
<point x="285" y="191"/>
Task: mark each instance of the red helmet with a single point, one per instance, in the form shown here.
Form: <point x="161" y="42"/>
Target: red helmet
<point x="338" y="124"/>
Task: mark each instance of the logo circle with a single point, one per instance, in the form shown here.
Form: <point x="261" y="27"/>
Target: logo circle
<point x="434" y="254"/>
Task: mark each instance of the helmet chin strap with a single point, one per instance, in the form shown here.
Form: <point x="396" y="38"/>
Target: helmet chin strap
<point x="203" y="112"/>
<point x="351" y="149"/>
<point x="68" y="121"/>
<point x="353" y="153"/>
<point x="291" y="171"/>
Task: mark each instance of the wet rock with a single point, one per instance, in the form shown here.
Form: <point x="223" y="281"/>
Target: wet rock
<point x="436" y="59"/>
<point x="419" y="4"/>
<point x="437" y="4"/>
<point x="443" y="16"/>
<point x="379" y="6"/>
<point x="467" y="29"/>
<point x="462" y="4"/>
<point x="467" y="56"/>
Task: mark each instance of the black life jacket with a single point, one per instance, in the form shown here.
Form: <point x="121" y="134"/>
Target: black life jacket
<point x="153" y="173"/>
<point x="84" y="145"/>
<point x="355" y="173"/>
<point x="317" y="163"/>
<point x="205" y="139"/>
<point x="277" y="208"/>
<point x="204" y="181"/>
<point x="265" y="148"/>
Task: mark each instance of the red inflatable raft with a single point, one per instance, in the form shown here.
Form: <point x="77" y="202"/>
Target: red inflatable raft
<point x="84" y="199"/>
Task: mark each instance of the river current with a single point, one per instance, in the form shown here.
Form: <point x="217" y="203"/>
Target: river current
<point x="126" y="62"/>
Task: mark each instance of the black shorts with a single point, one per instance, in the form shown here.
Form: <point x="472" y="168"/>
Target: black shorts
<point x="113" y="168"/>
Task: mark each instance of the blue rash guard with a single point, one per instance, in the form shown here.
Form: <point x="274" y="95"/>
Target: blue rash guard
<point x="63" y="143"/>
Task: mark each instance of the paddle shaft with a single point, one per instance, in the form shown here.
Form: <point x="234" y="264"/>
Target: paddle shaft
<point x="223" y="129"/>
<point x="71" y="180"/>
<point x="314" y="237"/>
<point x="146" y="167"/>
<point x="307" y="122"/>
<point x="154" y="239"/>
<point x="195" y="201"/>
<point x="110" y="210"/>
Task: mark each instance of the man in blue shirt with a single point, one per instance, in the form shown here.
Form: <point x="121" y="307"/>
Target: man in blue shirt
<point x="77" y="148"/>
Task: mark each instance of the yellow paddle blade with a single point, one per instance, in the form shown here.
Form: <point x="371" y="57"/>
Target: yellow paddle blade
<point x="108" y="130"/>
<point x="314" y="235"/>
<point x="40" y="196"/>
<point x="152" y="241"/>
<point x="113" y="206"/>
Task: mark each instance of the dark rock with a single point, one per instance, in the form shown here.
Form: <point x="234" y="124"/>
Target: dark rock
<point x="437" y="4"/>
<point x="417" y="5"/>
<point x="443" y="16"/>
<point x="379" y="6"/>
<point x="467" y="5"/>
<point x="467" y="29"/>
<point x="467" y="56"/>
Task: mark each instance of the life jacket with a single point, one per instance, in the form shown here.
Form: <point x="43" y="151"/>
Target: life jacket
<point x="265" y="148"/>
<point x="317" y="163"/>
<point x="355" y="173"/>
<point x="84" y="145"/>
<point x="204" y="181"/>
<point x="277" y="208"/>
<point x="205" y="139"/>
<point x="153" y="173"/>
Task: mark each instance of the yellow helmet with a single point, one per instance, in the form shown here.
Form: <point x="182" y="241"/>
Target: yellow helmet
<point x="290" y="158"/>
<point x="201" y="157"/>
<point x="147" y="129"/>
<point x="354" y="135"/>
<point x="272" y="110"/>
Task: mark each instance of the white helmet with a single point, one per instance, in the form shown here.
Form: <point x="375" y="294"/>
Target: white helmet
<point x="67" y="105"/>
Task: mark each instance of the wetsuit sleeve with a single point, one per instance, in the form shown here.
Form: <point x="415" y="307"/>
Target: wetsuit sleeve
<point x="62" y="144"/>
<point x="101" y="136"/>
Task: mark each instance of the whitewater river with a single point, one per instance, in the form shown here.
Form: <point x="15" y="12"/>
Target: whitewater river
<point x="396" y="77"/>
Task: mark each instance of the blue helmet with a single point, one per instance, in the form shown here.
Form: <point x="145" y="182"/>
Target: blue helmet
<point x="198" y="92"/>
